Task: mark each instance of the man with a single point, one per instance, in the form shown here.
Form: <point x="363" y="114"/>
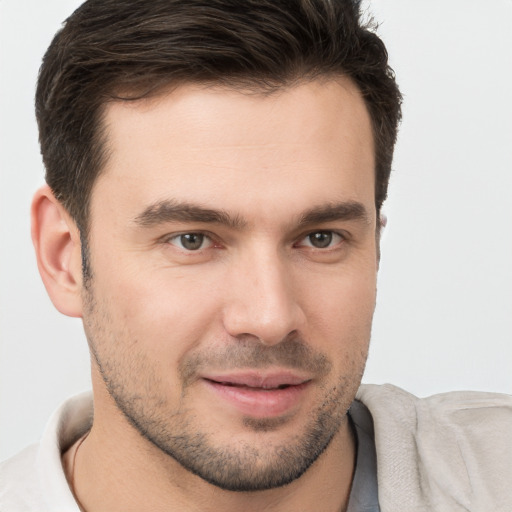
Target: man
<point x="215" y="177"/>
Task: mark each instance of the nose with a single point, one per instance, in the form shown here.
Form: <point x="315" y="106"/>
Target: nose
<point x="262" y="299"/>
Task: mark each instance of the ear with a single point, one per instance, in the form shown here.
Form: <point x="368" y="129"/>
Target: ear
<point x="382" y="222"/>
<point x="56" y="240"/>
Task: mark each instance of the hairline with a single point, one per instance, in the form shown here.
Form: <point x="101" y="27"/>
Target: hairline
<point x="243" y="85"/>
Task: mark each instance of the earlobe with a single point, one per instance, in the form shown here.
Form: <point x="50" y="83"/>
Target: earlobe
<point x="56" y="241"/>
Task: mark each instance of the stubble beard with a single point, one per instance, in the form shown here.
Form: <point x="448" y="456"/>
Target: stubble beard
<point x="237" y="466"/>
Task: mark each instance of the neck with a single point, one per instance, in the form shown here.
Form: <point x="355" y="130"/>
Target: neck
<point x="116" y="469"/>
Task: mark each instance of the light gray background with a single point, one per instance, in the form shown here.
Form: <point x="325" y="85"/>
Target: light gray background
<point x="444" y="313"/>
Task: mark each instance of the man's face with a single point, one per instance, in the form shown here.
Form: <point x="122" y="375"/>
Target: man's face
<point x="233" y="257"/>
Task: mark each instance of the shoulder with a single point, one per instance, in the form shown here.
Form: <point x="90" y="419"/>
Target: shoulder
<point x="449" y="450"/>
<point x="470" y="413"/>
<point x="19" y="482"/>
<point x="34" y="479"/>
<point x="456" y="407"/>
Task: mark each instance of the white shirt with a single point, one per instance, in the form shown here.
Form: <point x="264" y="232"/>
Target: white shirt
<point x="34" y="480"/>
<point x="446" y="453"/>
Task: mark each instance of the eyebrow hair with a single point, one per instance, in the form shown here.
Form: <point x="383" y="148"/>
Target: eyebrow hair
<point x="348" y="210"/>
<point x="176" y="211"/>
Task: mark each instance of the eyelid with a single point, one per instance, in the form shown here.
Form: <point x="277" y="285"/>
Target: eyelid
<point x="213" y="239"/>
<point x="167" y="239"/>
<point x="341" y="234"/>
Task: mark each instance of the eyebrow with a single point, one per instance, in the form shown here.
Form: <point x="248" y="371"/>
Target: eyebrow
<point x="176" y="211"/>
<point x="347" y="210"/>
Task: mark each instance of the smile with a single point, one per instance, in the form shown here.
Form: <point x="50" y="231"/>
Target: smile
<point x="259" y="396"/>
<point x="263" y="388"/>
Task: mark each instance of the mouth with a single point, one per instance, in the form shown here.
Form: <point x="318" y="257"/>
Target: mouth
<point x="262" y="388"/>
<point x="259" y="395"/>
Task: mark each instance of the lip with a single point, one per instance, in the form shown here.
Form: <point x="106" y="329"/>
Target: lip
<point x="259" y="395"/>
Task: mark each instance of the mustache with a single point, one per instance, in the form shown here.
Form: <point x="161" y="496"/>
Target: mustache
<point x="250" y="353"/>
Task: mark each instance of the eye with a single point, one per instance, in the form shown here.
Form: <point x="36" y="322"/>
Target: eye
<point x="321" y="240"/>
<point x="191" y="241"/>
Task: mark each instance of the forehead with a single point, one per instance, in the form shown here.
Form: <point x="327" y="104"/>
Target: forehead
<point x="216" y="145"/>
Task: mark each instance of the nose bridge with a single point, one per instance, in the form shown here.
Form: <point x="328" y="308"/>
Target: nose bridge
<point x="262" y="302"/>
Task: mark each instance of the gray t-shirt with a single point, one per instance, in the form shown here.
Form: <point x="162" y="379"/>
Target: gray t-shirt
<point x="364" y="493"/>
<point x="34" y="480"/>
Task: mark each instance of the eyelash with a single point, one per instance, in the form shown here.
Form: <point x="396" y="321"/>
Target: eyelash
<point x="339" y="237"/>
<point x="332" y="234"/>
<point x="179" y="236"/>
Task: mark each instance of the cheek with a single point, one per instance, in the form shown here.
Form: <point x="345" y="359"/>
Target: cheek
<point x="340" y="312"/>
<point x="163" y="309"/>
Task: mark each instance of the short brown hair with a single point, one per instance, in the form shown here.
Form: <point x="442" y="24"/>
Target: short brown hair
<point x="123" y="50"/>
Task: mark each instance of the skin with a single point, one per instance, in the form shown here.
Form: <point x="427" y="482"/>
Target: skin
<point x="257" y="295"/>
